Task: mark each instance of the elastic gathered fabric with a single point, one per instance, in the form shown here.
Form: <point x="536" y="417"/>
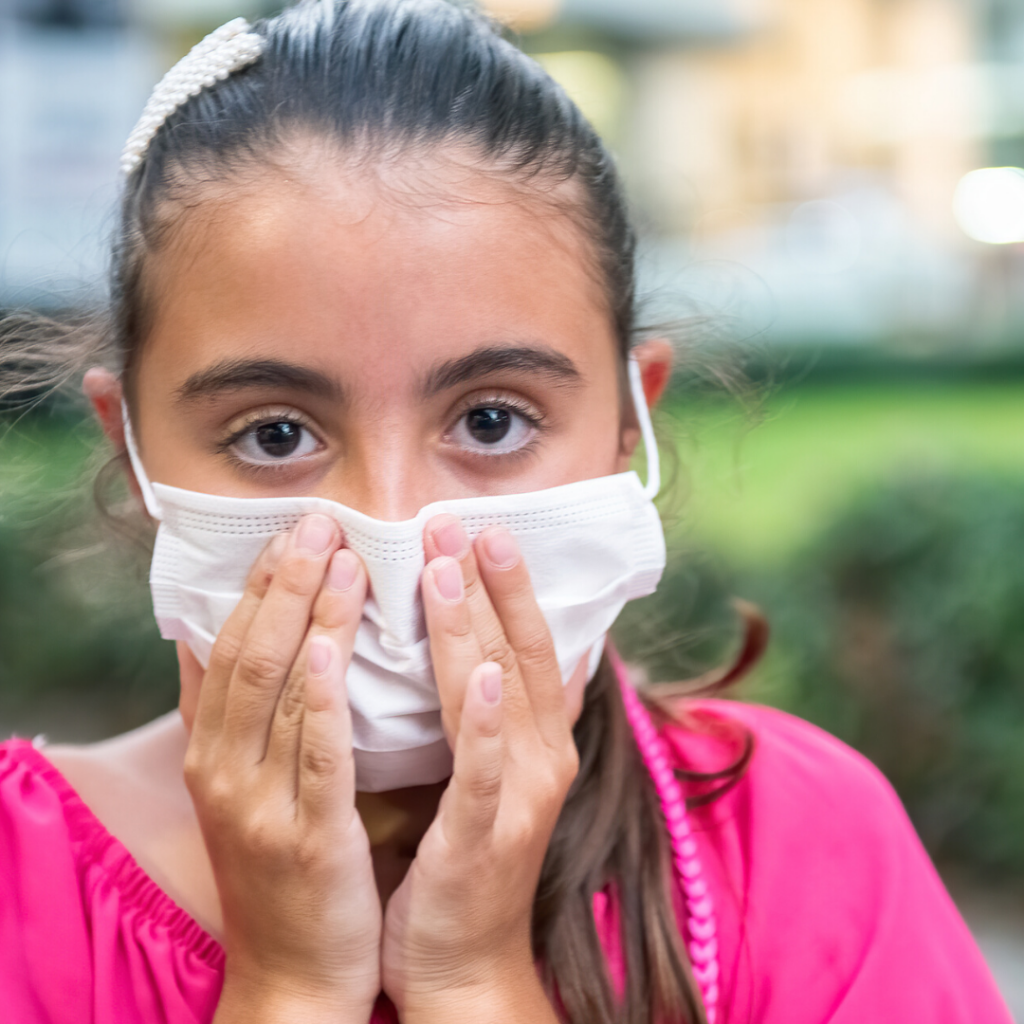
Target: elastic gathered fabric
<point x="828" y="910"/>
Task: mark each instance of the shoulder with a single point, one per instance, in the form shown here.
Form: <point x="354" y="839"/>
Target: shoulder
<point x="42" y="834"/>
<point x="33" y="790"/>
<point x="127" y="952"/>
<point x="807" y="808"/>
<point x="798" y="766"/>
<point x="809" y="819"/>
<point x="46" y="829"/>
<point x="830" y="908"/>
<point x="131" y="783"/>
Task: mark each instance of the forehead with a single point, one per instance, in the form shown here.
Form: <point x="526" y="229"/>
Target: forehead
<point x="398" y="261"/>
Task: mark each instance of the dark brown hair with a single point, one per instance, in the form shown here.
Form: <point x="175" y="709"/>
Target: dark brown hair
<point x="383" y="78"/>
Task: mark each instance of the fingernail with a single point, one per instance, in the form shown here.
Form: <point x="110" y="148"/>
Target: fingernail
<point x="319" y="655"/>
<point x="451" y="539"/>
<point x="490" y="682"/>
<point x="502" y="551"/>
<point x="315" y="534"/>
<point x="343" y="571"/>
<point x="275" y="549"/>
<point x="448" y="578"/>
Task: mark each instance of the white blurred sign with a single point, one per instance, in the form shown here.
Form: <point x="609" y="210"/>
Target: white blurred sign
<point x="68" y="100"/>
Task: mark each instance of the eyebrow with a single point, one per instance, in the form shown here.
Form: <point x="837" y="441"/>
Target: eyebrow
<point x="244" y="374"/>
<point x="249" y="374"/>
<point x="537" y="360"/>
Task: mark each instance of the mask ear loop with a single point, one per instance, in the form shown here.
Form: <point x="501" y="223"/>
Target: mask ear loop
<point x="152" y="505"/>
<point x="643" y="415"/>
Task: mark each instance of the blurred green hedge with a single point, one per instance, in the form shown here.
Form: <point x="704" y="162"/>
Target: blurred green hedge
<point x="900" y="629"/>
<point x="80" y="656"/>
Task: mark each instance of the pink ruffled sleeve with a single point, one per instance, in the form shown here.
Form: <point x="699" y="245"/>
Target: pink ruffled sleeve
<point x="85" y="934"/>
<point x="830" y="911"/>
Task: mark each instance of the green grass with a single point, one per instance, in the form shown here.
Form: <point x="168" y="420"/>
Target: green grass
<point x="756" y="492"/>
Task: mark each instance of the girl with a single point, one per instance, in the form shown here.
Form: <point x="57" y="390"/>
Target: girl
<point x="371" y="259"/>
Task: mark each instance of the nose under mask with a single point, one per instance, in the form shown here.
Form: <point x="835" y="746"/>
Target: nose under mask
<point x="589" y="546"/>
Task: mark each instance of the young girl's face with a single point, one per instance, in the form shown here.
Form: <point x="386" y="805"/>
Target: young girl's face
<point x="384" y="344"/>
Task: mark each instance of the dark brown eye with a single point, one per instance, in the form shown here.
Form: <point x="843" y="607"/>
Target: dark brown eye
<point x="494" y="428"/>
<point x="279" y="440"/>
<point x="274" y="442"/>
<point x="489" y="425"/>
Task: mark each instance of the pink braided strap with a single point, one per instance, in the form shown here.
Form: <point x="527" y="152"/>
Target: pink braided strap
<point x="702" y="944"/>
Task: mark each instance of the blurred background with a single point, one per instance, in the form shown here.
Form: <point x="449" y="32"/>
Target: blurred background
<point x="831" y="203"/>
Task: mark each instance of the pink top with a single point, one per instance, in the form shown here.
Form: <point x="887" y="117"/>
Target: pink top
<point x="827" y="907"/>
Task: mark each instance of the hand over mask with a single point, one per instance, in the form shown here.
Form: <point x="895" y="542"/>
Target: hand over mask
<point x="590" y="547"/>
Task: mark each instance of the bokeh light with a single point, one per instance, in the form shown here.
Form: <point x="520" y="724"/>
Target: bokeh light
<point x="989" y="205"/>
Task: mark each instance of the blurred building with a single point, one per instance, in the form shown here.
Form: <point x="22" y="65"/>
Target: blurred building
<point x="74" y="77"/>
<point x="794" y="162"/>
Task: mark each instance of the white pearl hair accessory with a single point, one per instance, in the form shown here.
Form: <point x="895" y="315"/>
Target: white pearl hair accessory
<point x="223" y="51"/>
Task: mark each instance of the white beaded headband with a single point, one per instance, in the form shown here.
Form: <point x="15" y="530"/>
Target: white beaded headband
<point x="222" y="52"/>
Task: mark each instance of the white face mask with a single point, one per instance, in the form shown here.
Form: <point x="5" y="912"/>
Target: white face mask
<point x="589" y="546"/>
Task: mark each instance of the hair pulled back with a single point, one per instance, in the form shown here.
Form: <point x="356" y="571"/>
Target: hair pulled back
<point x="378" y="79"/>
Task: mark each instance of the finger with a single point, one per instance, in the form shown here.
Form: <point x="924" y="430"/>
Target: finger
<point x="446" y="535"/>
<point x="212" y="693"/>
<point x="276" y="634"/>
<point x="507" y="580"/>
<point x="473" y="796"/>
<point x="326" y="767"/>
<point x="336" y="614"/>
<point x="454" y="648"/>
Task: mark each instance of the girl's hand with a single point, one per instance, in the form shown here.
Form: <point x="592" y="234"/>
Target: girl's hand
<point x="457" y="931"/>
<point x="271" y="774"/>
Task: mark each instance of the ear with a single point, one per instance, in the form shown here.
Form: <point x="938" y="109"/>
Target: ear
<point x="654" y="357"/>
<point x="103" y="389"/>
